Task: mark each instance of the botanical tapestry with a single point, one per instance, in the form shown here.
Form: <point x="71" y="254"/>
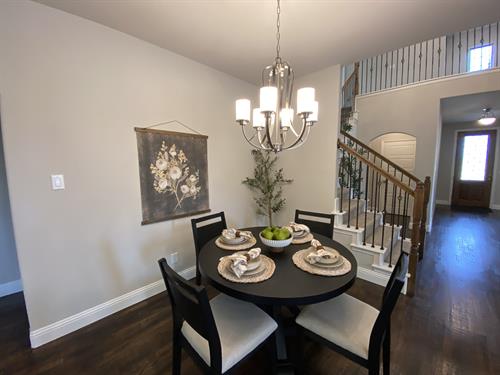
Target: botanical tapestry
<point x="173" y="174"/>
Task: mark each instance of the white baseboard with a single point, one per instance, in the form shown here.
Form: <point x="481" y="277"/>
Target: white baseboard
<point x="372" y="276"/>
<point x="72" y="323"/>
<point x="10" y="288"/>
<point x="443" y="202"/>
<point x="376" y="277"/>
<point x="495" y="206"/>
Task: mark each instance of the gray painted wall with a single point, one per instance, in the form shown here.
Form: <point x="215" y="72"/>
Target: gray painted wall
<point x="9" y="268"/>
<point x="415" y="110"/>
<point x="313" y="166"/>
<point x="447" y="156"/>
<point x="72" y="91"/>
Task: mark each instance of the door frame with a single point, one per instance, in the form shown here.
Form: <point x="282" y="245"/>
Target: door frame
<point x="495" y="162"/>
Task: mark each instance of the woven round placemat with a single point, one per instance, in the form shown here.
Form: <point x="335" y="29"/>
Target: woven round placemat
<point x="300" y="261"/>
<point x="268" y="263"/>
<point x="242" y="246"/>
<point x="307" y="238"/>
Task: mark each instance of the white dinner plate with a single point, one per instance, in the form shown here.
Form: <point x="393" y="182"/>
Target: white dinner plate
<point x="260" y="268"/>
<point x="233" y="241"/>
<point x="337" y="264"/>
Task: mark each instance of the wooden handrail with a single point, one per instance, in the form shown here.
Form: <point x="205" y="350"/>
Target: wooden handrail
<point x="381" y="171"/>
<point x="382" y="157"/>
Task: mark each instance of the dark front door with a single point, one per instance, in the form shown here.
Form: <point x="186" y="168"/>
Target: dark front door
<point x="474" y="168"/>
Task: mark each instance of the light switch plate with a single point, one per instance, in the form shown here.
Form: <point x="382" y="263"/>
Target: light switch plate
<point x="57" y="181"/>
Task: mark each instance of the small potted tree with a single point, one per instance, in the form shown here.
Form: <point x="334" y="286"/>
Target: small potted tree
<point x="267" y="184"/>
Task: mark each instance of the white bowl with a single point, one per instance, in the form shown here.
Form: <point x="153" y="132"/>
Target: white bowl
<point x="276" y="243"/>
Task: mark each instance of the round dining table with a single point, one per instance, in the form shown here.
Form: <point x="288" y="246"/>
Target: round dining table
<point x="289" y="285"/>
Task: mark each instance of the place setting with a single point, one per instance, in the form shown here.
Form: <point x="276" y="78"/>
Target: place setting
<point x="234" y="239"/>
<point x="300" y="232"/>
<point x="321" y="260"/>
<point x="246" y="266"/>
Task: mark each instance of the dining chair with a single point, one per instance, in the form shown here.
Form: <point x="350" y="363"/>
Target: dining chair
<point x="203" y="232"/>
<point x="353" y="328"/>
<point x="321" y="227"/>
<point x="218" y="333"/>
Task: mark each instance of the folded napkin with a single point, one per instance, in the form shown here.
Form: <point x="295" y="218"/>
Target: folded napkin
<point x="239" y="262"/>
<point x="232" y="233"/>
<point x="298" y="227"/>
<point x="319" y="254"/>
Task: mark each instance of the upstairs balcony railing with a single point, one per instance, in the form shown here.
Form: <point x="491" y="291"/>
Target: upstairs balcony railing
<point x="457" y="53"/>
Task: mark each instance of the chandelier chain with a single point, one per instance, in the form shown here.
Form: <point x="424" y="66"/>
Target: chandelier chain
<point x="278" y="12"/>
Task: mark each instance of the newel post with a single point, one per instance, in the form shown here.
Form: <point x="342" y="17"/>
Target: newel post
<point x="423" y="226"/>
<point x="415" y="236"/>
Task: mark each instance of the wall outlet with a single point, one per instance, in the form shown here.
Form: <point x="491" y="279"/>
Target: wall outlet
<point x="173" y="258"/>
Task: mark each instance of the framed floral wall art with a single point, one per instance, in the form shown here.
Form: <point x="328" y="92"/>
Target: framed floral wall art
<point x="173" y="174"/>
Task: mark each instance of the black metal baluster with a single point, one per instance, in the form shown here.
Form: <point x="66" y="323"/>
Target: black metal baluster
<point x="349" y="181"/>
<point x="366" y="200"/>
<point x="432" y="61"/>
<point x="358" y="188"/>
<point x="405" y="210"/>
<point x="384" y="213"/>
<point x="372" y="200"/>
<point x="377" y="188"/>
<point x="452" y="52"/>
<point x="392" y="222"/>
<point x="342" y="179"/>
<point x="399" y="200"/>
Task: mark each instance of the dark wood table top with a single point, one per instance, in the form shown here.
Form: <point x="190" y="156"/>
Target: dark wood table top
<point x="289" y="285"/>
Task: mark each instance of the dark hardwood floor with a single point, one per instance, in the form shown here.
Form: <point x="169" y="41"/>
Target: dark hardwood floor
<point x="450" y="327"/>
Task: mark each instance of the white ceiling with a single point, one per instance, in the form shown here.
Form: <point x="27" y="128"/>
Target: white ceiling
<point x="467" y="108"/>
<point x="238" y="36"/>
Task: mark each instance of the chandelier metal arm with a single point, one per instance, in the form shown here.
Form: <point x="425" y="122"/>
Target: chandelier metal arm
<point x="249" y="140"/>
<point x="301" y="140"/>
<point x="302" y="132"/>
<point x="268" y="117"/>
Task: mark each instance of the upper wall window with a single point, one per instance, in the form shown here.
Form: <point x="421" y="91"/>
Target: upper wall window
<point x="480" y="58"/>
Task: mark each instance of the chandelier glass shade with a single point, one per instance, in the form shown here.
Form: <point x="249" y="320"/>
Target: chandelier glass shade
<point x="487" y="118"/>
<point x="271" y="126"/>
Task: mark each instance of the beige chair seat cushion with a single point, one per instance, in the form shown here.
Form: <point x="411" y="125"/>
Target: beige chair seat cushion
<point x="242" y="327"/>
<point x="344" y="321"/>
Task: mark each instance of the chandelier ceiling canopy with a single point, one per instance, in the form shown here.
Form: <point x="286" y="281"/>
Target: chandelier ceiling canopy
<point x="273" y="122"/>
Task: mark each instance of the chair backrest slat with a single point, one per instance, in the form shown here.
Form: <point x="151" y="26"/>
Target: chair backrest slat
<point x="321" y="227"/>
<point x="204" y="233"/>
<point x="189" y="302"/>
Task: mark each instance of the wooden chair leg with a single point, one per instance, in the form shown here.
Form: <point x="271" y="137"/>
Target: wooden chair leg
<point x="176" y="353"/>
<point x="386" y="352"/>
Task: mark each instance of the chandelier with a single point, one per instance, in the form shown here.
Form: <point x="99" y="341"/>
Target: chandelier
<point x="273" y="126"/>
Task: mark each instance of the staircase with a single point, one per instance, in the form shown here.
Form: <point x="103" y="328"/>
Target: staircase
<point x="380" y="208"/>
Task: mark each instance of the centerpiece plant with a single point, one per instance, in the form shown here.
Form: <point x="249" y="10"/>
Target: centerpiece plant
<point x="267" y="184"/>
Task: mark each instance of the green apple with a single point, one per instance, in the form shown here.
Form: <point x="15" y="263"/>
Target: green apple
<point x="267" y="234"/>
<point x="281" y="235"/>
